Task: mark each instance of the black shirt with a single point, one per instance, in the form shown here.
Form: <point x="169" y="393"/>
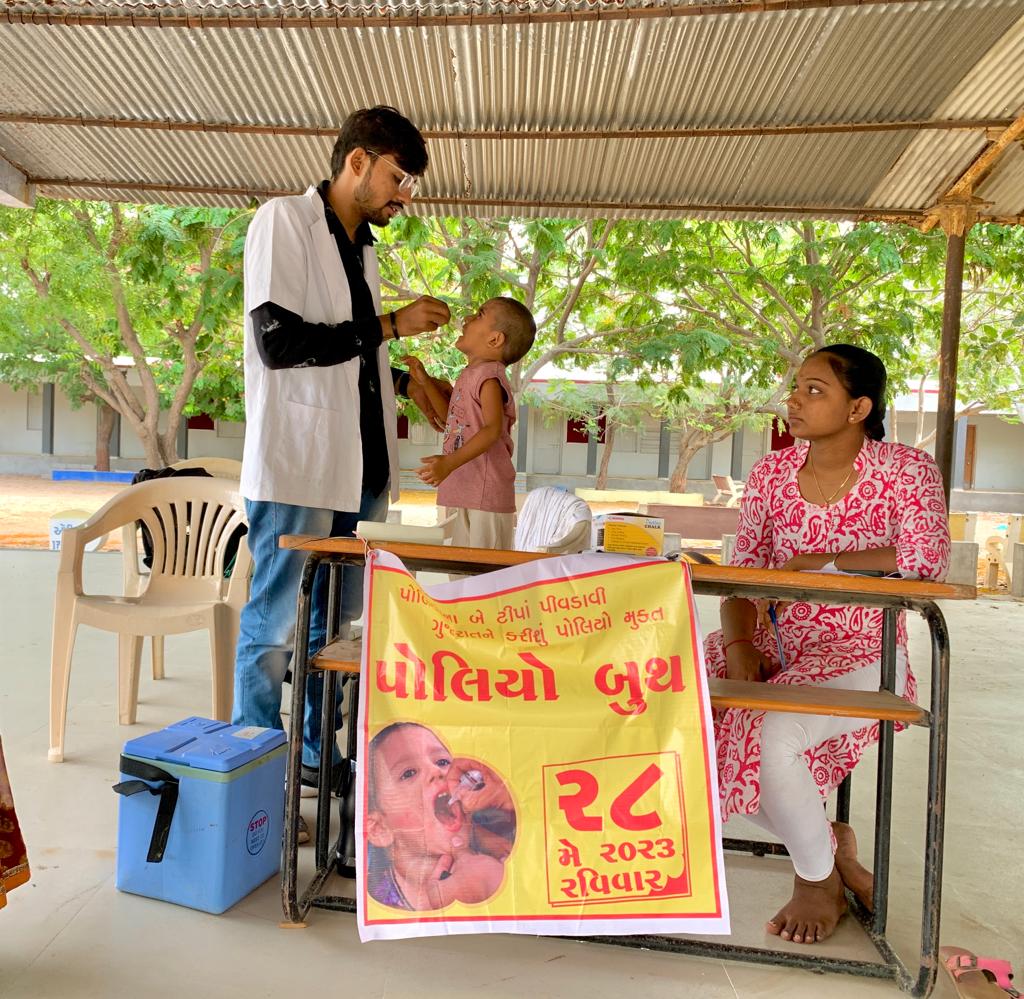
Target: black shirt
<point x="285" y="340"/>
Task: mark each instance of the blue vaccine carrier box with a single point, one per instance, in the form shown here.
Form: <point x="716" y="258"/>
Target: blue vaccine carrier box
<point x="201" y="812"/>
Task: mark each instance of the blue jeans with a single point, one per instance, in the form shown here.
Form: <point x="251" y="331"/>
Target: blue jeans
<point x="266" y="632"/>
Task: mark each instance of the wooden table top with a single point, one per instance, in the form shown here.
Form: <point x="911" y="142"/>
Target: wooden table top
<point x="707" y="578"/>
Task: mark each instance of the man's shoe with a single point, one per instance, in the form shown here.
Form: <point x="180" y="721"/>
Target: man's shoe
<point x="310" y="779"/>
<point x="302" y="836"/>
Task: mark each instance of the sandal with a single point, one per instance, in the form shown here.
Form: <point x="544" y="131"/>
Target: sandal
<point x="978" y="977"/>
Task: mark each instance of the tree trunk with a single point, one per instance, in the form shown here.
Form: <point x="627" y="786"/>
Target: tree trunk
<point x="168" y="443"/>
<point x="690" y="443"/>
<point x="606" y="457"/>
<point x="609" y="437"/>
<point x="106" y="417"/>
<point x="150" y="440"/>
<point x="686" y="454"/>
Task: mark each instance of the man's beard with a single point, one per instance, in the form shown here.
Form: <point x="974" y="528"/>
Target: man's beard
<point x="375" y="214"/>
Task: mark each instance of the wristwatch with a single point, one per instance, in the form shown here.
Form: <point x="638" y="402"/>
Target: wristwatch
<point x="394" y="326"/>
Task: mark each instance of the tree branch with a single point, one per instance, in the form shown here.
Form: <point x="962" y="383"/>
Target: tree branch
<point x="124" y="321"/>
<point x="570" y="300"/>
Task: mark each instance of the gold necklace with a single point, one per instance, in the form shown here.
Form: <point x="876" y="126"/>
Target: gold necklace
<point x="821" y="492"/>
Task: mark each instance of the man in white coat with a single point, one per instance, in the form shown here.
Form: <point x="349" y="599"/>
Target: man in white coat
<point x="321" y="448"/>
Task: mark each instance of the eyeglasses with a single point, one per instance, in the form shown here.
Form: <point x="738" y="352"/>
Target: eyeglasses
<point x="407" y="183"/>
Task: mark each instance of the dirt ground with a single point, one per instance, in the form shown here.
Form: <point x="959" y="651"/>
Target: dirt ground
<point x="30" y="501"/>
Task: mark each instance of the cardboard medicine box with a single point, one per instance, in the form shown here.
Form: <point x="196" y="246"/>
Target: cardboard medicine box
<point x="629" y="534"/>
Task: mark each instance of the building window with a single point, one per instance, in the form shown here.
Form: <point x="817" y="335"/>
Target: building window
<point x="781" y="437"/>
<point x="227" y="429"/>
<point x="650" y="438"/>
<point x="627" y="441"/>
<point x="576" y="431"/>
<point x="200" y="422"/>
<point x="34" y="411"/>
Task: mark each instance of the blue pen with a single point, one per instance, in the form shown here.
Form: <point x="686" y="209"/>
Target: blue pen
<point x="778" y="638"/>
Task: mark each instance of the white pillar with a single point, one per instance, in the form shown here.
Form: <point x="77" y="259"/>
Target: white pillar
<point x="963" y="563"/>
<point x="1017" y="573"/>
<point x="15" y="190"/>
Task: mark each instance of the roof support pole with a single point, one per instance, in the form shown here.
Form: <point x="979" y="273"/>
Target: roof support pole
<point x="948" y="355"/>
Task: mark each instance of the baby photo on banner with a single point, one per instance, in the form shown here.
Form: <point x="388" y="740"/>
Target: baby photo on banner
<point x="536" y="753"/>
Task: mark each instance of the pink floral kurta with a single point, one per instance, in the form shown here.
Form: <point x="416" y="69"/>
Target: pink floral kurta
<point x="897" y="501"/>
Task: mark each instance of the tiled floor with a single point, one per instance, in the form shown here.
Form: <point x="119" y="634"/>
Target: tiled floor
<point x="71" y="934"/>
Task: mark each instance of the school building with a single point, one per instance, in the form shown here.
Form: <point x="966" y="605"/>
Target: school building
<point x="39" y="432"/>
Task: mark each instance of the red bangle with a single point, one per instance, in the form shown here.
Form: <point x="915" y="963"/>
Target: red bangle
<point x="736" y="641"/>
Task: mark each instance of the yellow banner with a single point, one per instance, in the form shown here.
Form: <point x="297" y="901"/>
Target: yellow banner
<point x="536" y="755"/>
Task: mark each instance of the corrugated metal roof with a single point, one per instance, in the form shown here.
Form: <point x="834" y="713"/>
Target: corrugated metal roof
<point x="890" y="62"/>
<point x="1004" y="187"/>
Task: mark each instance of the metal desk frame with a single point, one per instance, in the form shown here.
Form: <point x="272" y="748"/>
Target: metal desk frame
<point x="917" y="981"/>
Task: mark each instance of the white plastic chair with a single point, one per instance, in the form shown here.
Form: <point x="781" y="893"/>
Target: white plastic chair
<point x="729" y="489"/>
<point x="553" y="520"/>
<point x="135" y="579"/>
<point x="191" y="521"/>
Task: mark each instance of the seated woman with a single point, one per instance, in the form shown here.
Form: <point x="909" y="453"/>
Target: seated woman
<point x="843" y="498"/>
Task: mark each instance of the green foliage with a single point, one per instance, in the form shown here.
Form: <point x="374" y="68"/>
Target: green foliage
<point x="93" y="291"/>
<point x="699" y="324"/>
<point x="708" y="321"/>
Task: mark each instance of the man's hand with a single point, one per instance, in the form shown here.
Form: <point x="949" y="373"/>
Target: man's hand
<point x="425" y="315"/>
<point x="418" y="394"/>
<point x="435" y="470"/>
<point x="493" y="793"/>
<point x="490" y="801"/>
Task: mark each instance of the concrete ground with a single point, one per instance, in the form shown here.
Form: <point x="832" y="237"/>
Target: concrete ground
<point x="69" y="933"/>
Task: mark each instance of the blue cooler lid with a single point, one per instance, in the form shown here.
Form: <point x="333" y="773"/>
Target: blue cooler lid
<point x="204" y="744"/>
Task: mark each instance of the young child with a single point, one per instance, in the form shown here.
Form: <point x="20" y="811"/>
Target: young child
<point x="419" y="836"/>
<point x="475" y="474"/>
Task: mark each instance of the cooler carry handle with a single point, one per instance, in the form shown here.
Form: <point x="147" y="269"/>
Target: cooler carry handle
<point x="166" y="788"/>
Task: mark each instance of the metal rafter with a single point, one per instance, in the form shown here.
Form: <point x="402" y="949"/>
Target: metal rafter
<point x="679" y="208"/>
<point x="520" y="17"/>
<point x="683" y="132"/>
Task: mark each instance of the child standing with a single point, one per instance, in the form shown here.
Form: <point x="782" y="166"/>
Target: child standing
<point x="475" y="474"/>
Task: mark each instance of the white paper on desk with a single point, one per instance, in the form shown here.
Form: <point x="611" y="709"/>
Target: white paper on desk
<point x="542" y="735"/>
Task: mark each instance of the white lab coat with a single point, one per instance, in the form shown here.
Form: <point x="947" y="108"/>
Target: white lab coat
<point x="302" y="442"/>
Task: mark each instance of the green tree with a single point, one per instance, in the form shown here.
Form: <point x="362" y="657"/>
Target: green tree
<point x="710" y="319"/>
<point x="990" y="373"/>
<point x="134" y="308"/>
<point x="560" y="269"/>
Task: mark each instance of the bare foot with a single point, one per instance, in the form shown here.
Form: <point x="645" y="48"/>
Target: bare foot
<point x="811" y="915"/>
<point x="855" y="875"/>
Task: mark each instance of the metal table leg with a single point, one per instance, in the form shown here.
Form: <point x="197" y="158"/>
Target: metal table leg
<point x="883" y="789"/>
<point x="293" y="910"/>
